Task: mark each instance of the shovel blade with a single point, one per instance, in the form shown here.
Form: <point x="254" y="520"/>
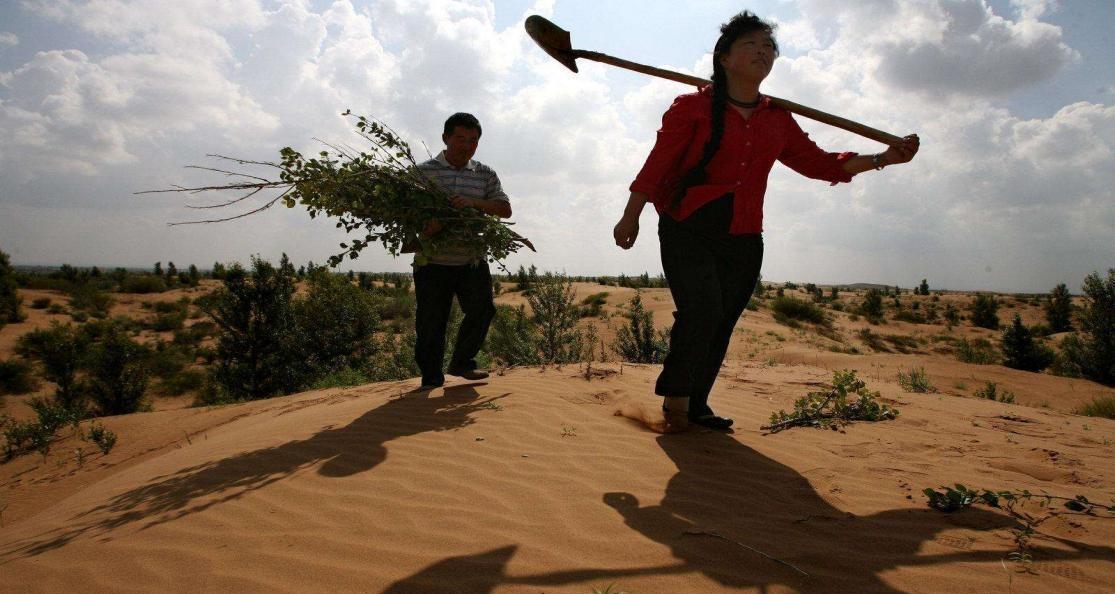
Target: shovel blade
<point x="552" y="39"/>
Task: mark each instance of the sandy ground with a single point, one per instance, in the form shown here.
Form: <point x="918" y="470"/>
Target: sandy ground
<point x="530" y="482"/>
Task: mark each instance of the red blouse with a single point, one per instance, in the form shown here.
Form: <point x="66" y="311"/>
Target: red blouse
<point x="741" y="166"/>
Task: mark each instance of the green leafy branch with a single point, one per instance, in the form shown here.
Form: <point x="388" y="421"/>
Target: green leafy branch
<point x="379" y="190"/>
<point x="951" y="499"/>
<point x="832" y="408"/>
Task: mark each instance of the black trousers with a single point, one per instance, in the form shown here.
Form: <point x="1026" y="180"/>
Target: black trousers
<point x="712" y="275"/>
<point x="435" y="285"/>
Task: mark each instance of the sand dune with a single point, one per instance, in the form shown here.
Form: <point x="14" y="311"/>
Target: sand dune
<point x="529" y="483"/>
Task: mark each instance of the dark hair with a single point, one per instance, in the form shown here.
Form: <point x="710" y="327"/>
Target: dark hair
<point x="464" y="120"/>
<point x="739" y="25"/>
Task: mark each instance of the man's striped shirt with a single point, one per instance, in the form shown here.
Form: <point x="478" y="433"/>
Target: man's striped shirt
<point x="474" y="180"/>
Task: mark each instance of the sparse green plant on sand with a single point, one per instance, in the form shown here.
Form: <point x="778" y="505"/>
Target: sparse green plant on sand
<point x="915" y="380"/>
<point x="990" y="391"/>
<point x="832" y="408"/>
<point x="979" y="351"/>
<point x="609" y="589"/>
<point x="556" y="315"/>
<point x="1103" y="406"/>
<point x="568" y="431"/>
<point x="958" y="497"/>
<point x="638" y="341"/>
<point x="104" y="439"/>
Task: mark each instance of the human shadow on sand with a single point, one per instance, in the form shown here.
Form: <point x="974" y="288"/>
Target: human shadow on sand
<point x="357" y="447"/>
<point x="744" y="520"/>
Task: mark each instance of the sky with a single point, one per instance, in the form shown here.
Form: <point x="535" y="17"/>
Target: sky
<point x="1014" y="101"/>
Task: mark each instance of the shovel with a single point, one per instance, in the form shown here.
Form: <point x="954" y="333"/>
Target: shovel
<point x="555" y="41"/>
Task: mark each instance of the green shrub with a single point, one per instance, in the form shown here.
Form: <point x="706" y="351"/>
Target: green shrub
<point x="907" y="315"/>
<point x="990" y="391"/>
<point x="513" y="338"/>
<point x="10" y="300"/>
<point x="872" y="340"/>
<point x="638" y="341"/>
<point x="168" y="322"/>
<point x="593" y="305"/>
<point x="789" y="308"/>
<point x="60" y="349"/>
<point x="1092" y="349"/>
<point x="1104" y="406"/>
<point x="188" y="380"/>
<point x="985" y="312"/>
<point x="334" y="327"/>
<point x="104" y="439"/>
<point x="979" y="351"/>
<point x="89" y="299"/>
<point x="341" y="378"/>
<point x="118" y="375"/>
<point x="255" y="316"/>
<point x="555" y="314"/>
<point x="1021" y="351"/>
<point x="56" y="309"/>
<point x="915" y="380"/>
<point x="143" y="284"/>
<point x="16" y="377"/>
<point x="1058" y="310"/>
<point x="41" y="303"/>
<point x="872" y="307"/>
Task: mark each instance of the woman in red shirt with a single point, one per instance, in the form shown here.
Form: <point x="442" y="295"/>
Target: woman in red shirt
<point x="706" y="177"/>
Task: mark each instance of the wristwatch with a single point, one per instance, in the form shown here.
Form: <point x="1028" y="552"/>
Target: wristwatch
<point x="877" y="161"/>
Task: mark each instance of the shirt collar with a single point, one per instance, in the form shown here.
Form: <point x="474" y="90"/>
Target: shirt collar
<point x="471" y="165"/>
<point x="764" y="100"/>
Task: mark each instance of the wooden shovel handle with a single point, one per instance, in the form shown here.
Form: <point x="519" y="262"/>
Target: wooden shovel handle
<point x="802" y="110"/>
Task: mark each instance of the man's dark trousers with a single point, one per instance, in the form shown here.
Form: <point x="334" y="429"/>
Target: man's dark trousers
<point x="435" y="285"/>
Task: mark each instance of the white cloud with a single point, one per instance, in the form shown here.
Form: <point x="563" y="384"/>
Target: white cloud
<point x="8" y="39"/>
<point x="1026" y="199"/>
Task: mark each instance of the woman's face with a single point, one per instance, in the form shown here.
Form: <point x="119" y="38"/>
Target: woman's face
<point x="750" y="57"/>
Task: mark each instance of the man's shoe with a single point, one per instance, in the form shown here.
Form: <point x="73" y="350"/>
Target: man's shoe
<point x="431" y="384"/>
<point x="469" y="374"/>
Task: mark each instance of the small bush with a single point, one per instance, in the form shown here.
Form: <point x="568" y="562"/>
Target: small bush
<point x="188" y="380"/>
<point x="915" y="380"/>
<point x="1091" y="350"/>
<point x="143" y="284"/>
<point x="168" y="322"/>
<point x="789" y="308"/>
<point x="1104" y="406"/>
<point x="985" y="312"/>
<point x="512" y="338"/>
<point x="60" y="349"/>
<point x="593" y="305"/>
<point x="118" y="375"/>
<point x="341" y="378"/>
<point x="10" y="300"/>
<point x="104" y="439"/>
<point x="990" y="391"/>
<point x="16" y="377"/>
<point x="551" y="301"/>
<point x="1021" y="351"/>
<point x="872" y="307"/>
<point x="41" y="303"/>
<point x="979" y="351"/>
<point x="902" y="344"/>
<point x="638" y="341"/>
<point x="872" y="340"/>
<point x="908" y="315"/>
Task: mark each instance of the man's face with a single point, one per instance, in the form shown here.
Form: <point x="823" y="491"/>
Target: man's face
<point x="461" y="145"/>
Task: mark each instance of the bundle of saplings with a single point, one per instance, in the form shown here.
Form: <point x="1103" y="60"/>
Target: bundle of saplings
<point x="379" y="191"/>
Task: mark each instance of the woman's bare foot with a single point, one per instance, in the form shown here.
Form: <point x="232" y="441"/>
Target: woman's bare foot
<point x="653" y="417"/>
